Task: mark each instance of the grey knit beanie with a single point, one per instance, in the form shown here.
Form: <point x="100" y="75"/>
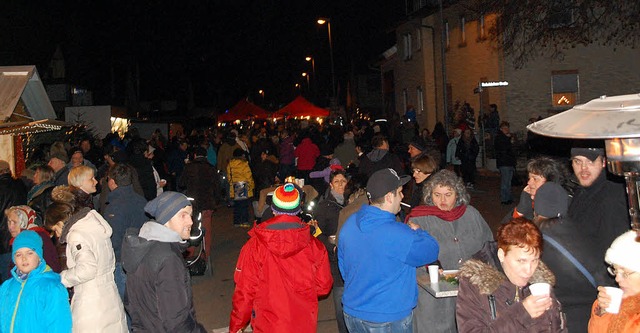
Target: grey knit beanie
<point x="166" y="205"/>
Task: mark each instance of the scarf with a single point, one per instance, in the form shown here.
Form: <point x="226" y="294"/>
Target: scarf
<point x="628" y="310"/>
<point x="449" y="216"/>
<point x="339" y="197"/>
<point x="38" y="189"/>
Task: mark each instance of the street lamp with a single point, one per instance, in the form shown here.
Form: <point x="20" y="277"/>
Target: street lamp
<point x="313" y="71"/>
<point x="304" y="74"/>
<point x="322" y="21"/>
<point x="614" y="119"/>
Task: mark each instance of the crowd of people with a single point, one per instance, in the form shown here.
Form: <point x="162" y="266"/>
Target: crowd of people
<point x="99" y="231"/>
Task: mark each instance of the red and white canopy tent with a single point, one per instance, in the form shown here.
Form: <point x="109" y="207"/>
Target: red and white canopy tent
<point x="300" y="107"/>
<point x="243" y="110"/>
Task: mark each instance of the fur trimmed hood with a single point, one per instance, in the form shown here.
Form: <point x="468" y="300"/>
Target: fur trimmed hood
<point x="488" y="278"/>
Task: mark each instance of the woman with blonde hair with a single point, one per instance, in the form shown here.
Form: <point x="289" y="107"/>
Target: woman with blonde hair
<point x="96" y="305"/>
<point x="83" y="183"/>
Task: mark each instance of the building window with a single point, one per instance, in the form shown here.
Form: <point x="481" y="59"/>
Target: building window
<point x="420" y="95"/>
<point x="418" y="39"/>
<point x="405" y="100"/>
<point x="565" y="88"/>
<point x="406" y="42"/>
<point x="463" y="35"/>
<point x="446" y="33"/>
<point x="482" y="33"/>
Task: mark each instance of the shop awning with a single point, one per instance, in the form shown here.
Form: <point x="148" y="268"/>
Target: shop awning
<point x="25" y="127"/>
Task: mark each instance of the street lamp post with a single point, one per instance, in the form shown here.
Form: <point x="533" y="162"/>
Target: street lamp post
<point x="306" y="75"/>
<point x="313" y="71"/>
<point x="322" y="21"/>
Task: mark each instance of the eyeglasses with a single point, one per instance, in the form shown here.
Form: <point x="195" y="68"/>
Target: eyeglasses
<point x="614" y="272"/>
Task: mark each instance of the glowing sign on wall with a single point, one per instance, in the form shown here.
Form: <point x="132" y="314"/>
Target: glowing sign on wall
<point x="493" y="84"/>
<point x="564" y="99"/>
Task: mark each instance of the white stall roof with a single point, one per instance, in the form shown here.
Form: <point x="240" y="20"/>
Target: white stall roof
<point x="23" y="82"/>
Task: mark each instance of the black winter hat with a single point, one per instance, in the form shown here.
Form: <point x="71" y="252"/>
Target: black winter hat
<point x="418" y="143"/>
<point x="551" y="200"/>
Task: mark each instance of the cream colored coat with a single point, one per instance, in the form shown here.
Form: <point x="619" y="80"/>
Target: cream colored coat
<point x="96" y="305"/>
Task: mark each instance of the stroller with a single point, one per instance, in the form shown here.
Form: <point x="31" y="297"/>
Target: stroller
<point x="197" y="259"/>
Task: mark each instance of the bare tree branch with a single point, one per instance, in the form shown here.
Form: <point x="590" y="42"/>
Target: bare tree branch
<point x="527" y="29"/>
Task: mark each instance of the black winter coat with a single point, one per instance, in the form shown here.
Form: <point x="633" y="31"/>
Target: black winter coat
<point x="326" y="213"/>
<point x="600" y="211"/>
<point x="572" y="288"/>
<point x="40" y="201"/>
<point x="467" y="152"/>
<point x="504" y="150"/>
<point x="12" y="193"/>
<point x="158" y="296"/>
<point x="379" y="159"/>
<point x="200" y="181"/>
<point x="145" y="176"/>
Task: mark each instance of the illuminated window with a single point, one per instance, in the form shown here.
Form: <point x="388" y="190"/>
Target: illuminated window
<point x="565" y="89"/>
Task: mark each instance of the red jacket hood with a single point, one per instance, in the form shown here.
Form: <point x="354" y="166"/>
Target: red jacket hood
<point x="283" y="235"/>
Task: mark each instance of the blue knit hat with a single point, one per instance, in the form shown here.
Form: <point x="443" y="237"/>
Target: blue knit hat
<point x="29" y="239"/>
<point x="166" y="205"/>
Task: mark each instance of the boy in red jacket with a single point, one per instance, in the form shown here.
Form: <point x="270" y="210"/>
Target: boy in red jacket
<point x="281" y="272"/>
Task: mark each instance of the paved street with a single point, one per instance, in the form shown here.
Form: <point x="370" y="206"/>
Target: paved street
<point x="212" y="295"/>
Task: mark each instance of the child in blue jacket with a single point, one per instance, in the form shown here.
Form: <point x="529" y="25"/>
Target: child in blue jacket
<point x="33" y="299"/>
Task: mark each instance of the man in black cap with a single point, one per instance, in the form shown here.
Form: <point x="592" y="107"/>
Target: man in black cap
<point x="58" y="162"/>
<point x="378" y="257"/>
<point x="599" y="205"/>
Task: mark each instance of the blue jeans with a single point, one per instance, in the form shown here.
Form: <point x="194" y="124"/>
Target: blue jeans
<point x="506" y="174"/>
<point x="121" y="281"/>
<point x="241" y="211"/>
<point x="356" y="325"/>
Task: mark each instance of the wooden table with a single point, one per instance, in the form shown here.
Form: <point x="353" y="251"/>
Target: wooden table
<point x="437" y="290"/>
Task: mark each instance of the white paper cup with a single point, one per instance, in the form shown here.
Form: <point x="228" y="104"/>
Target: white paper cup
<point x="616" y="299"/>
<point x="540" y="288"/>
<point x="433" y="273"/>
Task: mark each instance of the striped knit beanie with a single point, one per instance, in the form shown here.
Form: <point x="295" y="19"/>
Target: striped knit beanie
<point x="166" y="205"/>
<point x="286" y="200"/>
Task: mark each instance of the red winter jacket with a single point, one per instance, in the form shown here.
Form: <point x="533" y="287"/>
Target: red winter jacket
<point x="281" y="272"/>
<point x="307" y="152"/>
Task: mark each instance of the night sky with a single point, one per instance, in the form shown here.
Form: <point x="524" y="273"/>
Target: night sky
<point x="220" y="50"/>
